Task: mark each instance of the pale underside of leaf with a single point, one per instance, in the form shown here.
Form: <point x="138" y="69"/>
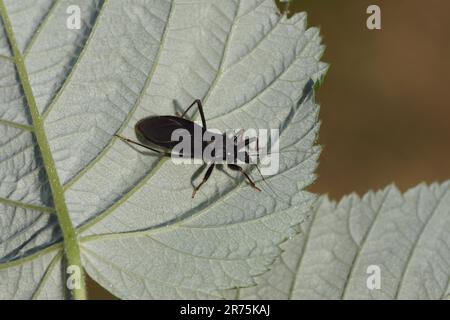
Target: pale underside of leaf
<point x="142" y="236"/>
<point x="38" y="276"/>
<point x="406" y="236"/>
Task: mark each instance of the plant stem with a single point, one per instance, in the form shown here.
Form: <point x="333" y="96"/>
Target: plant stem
<point x="71" y="248"/>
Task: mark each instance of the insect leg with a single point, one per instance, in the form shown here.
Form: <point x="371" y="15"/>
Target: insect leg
<point x="250" y="140"/>
<point x="205" y="178"/>
<point x="235" y="167"/>
<point x="246" y="141"/>
<point x="200" y="108"/>
<point x="245" y="144"/>
<point x="238" y="135"/>
<point x="142" y="145"/>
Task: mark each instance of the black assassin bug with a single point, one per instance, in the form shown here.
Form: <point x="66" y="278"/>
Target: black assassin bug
<point x="156" y="134"/>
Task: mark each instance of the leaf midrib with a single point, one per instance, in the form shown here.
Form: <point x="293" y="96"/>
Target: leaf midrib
<point x="72" y="251"/>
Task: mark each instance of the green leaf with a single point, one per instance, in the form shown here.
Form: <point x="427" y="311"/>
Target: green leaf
<point x="406" y="236"/>
<point x="72" y="194"/>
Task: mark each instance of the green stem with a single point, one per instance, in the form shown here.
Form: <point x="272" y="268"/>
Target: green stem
<point x="71" y="248"/>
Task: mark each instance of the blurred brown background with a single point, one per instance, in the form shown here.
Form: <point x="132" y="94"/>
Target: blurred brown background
<point x="385" y="103"/>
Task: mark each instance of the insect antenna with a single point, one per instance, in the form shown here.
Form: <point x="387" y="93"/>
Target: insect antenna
<point x="141" y="145"/>
<point x="259" y="171"/>
<point x="269" y="185"/>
